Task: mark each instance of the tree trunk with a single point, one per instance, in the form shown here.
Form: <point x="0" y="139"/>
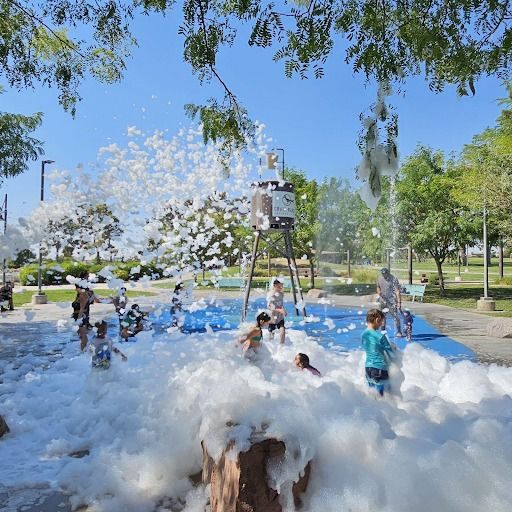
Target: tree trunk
<point x="439" y="265"/>
<point x="311" y="273"/>
<point x="98" y="260"/>
<point x="269" y="263"/>
<point x="500" y="255"/>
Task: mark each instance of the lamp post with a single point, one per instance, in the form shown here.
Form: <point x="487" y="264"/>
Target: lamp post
<point x="3" y="217"/>
<point x="486" y="303"/>
<point x="389" y="250"/>
<point x="409" y="263"/>
<point x="40" y="297"/>
<point x="486" y="256"/>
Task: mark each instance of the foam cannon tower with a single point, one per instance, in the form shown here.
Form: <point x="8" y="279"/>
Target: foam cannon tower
<point x="273" y="211"/>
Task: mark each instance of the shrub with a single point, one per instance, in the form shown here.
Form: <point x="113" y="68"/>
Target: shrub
<point x="49" y="275"/>
<point x="78" y="269"/>
<point x="122" y="274"/>
<point x="364" y="275"/>
<point x="75" y="268"/>
<point x="261" y="272"/>
<point x="506" y="281"/>
<point x="327" y="271"/>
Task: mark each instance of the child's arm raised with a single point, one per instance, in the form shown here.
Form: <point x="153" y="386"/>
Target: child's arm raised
<point x="117" y="351"/>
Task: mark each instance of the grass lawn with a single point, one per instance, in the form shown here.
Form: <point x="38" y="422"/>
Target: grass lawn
<point x="465" y="297"/>
<point x="25" y="296"/>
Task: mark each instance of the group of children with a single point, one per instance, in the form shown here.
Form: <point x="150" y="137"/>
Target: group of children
<point x="379" y="351"/>
<point x="252" y="341"/>
<point x="131" y="322"/>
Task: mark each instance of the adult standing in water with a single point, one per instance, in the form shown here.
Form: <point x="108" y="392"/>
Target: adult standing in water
<point x="81" y="314"/>
<point x="388" y="290"/>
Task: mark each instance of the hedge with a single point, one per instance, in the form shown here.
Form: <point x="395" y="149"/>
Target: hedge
<point x="50" y="275"/>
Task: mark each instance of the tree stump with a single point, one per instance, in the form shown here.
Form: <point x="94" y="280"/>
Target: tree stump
<point x="240" y="484"/>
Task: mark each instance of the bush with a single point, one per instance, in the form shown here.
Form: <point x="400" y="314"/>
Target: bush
<point x="49" y="275"/>
<point x="78" y="269"/>
<point x="327" y="271"/>
<point x="75" y="268"/>
<point x="506" y="281"/>
<point x="261" y="272"/>
<point x="364" y="275"/>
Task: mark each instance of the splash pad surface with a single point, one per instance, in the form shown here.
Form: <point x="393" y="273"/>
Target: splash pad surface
<point x="333" y="327"/>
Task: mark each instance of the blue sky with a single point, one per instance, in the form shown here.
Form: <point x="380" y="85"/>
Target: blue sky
<point x="316" y="121"/>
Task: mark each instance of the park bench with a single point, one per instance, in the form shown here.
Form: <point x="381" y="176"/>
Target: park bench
<point x="287" y="283"/>
<point x="413" y="290"/>
<point x="231" y="282"/>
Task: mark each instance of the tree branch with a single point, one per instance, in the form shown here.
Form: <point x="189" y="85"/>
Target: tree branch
<point x="230" y="95"/>
<point x="35" y="18"/>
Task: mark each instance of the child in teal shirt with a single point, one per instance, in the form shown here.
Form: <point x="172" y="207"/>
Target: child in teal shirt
<point x="378" y="351"/>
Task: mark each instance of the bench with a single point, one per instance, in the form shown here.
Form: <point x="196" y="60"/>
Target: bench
<point x="287" y="283"/>
<point x="231" y="282"/>
<point x="413" y="290"/>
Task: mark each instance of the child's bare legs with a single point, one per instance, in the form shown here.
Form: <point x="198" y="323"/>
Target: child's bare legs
<point x="82" y="333"/>
<point x="408" y="332"/>
<point x="282" y="334"/>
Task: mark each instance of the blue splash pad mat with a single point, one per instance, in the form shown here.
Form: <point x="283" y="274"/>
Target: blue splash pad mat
<point x="338" y="328"/>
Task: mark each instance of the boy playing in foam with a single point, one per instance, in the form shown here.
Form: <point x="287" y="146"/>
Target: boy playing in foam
<point x="378" y="351"/>
<point x="103" y="347"/>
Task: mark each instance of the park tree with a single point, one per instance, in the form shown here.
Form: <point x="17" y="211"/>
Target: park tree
<point x="36" y="47"/>
<point x="60" y="235"/>
<point x="202" y="236"/>
<point x="306" y="218"/>
<point x="487" y="166"/>
<point x="17" y="145"/>
<point x="59" y="42"/>
<point x="435" y="219"/>
<point x="22" y="258"/>
<point x="338" y="216"/>
<point x="96" y="229"/>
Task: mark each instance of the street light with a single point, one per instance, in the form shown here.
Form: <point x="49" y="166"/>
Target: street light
<point x="41" y="298"/>
<point x="3" y="217"/>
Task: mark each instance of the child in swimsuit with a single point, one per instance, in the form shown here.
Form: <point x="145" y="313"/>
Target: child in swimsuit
<point x="302" y="361"/>
<point x="251" y="341"/>
<point x="102" y="347"/>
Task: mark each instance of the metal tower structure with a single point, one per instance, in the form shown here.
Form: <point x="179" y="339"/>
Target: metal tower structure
<point x="273" y="211"/>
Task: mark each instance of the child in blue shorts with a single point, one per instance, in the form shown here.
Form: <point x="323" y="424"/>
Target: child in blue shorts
<point x="378" y="351"/>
